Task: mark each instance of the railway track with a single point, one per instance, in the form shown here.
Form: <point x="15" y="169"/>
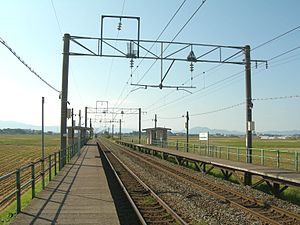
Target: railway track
<point x="149" y="208"/>
<point x="266" y="214"/>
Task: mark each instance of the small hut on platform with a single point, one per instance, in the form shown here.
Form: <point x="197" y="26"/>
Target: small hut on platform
<point x="157" y="135"/>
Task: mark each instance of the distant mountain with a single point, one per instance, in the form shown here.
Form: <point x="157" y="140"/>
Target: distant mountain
<point x="197" y="130"/>
<point x="14" y="125"/>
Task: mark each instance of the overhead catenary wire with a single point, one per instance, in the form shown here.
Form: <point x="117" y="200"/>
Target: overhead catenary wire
<point x="160" y="34"/>
<point x="28" y="67"/>
<point x="176" y="35"/>
<point x="276" y="98"/>
<point x="231" y="77"/>
<point x="215" y="67"/>
<point x="284" y="53"/>
<point x="258" y="46"/>
<point x="199" y="7"/>
<point x="277" y="37"/>
<point x="56" y="17"/>
<point x="235" y="105"/>
<point x="112" y="60"/>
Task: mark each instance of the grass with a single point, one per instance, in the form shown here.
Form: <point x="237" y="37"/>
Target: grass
<point x="287" y="144"/>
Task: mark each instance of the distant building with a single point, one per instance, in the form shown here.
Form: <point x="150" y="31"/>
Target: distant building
<point x="267" y="137"/>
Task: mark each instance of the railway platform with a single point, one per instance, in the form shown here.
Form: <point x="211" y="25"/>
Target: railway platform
<point x="277" y="179"/>
<point x="79" y="194"/>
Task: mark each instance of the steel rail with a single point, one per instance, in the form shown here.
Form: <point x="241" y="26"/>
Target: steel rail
<point x="153" y="194"/>
<point x="266" y="213"/>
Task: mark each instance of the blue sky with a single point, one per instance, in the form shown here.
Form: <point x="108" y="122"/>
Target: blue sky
<point x="32" y="29"/>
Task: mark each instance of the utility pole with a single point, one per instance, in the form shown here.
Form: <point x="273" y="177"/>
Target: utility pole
<point x="112" y="130"/>
<point x="72" y="134"/>
<point x="155" y="125"/>
<point x="90" y="127"/>
<point x="140" y="125"/>
<point x="249" y="106"/>
<point x="85" y="123"/>
<point x="187" y="131"/>
<point x="64" y="96"/>
<point x="120" y="131"/>
<point x="43" y="146"/>
<point x="79" y="133"/>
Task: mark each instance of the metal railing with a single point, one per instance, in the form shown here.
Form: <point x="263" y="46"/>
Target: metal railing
<point x="14" y="184"/>
<point x="275" y="158"/>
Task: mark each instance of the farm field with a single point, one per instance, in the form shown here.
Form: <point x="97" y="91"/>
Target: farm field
<point x="277" y="153"/>
<point x="276" y="144"/>
<point x="288" y="144"/>
<point x="18" y="150"/>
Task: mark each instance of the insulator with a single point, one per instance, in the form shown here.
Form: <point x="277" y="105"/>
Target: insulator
<point x="119" y="26"/>
<point x="131" y="63"/>
<point x="191" y="67"/>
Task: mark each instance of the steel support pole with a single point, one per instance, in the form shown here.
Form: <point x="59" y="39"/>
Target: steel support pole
<point x="64" y="96"/>
<point x="85" y="123"/>
<point x="79" y="134"/>
<point x="43" y="147"/>
<point x="72" y="134"/>
<point x="140" y="125"/>
<point x="187" y="131"/>
<point x="120" y="131"/>
<point x="91" y="128"/>
<point x="249" y="106"/>
<point x="155" y="126"/>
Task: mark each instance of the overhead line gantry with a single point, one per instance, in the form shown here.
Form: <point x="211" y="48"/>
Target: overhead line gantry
<point x="177" y="52"/>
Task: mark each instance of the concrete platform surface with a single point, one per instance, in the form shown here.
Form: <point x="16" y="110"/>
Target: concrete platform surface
<point x="79" y="194"/>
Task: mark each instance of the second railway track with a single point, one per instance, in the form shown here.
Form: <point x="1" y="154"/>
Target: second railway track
<point x="148" y="206"/>
<point x="264" y="213"/>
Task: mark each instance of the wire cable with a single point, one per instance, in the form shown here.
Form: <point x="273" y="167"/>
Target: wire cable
<point x="57" y="21"/>
<point x="276" y="98"/>
<point x="164" y="29"/>
<point x="25" y="64"/>
<point x="284" y="53"/>
<point x="186" y="23"/>
<point x="275" y="57"/>
<point x="199" y="7"/>
<point x="277" y="37"/>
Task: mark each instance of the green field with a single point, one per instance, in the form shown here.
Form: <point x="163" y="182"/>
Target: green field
<point x="288" y="144"/>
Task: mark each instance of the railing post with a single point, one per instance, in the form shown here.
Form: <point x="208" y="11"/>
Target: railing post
<point x="262" y="157"/>
<point x="296" y="161"/>
<point x="59" y="161"/>
<point x="43" y="173"/>
<point x="177" y="145"/>
<point x="32" y="181"/>
<point x="227" y="153"/>
<point x="50" y="168"/>
<point x="18" y="189"/>
<point x="55" y="162"/>
<point x="277" y="157"/>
